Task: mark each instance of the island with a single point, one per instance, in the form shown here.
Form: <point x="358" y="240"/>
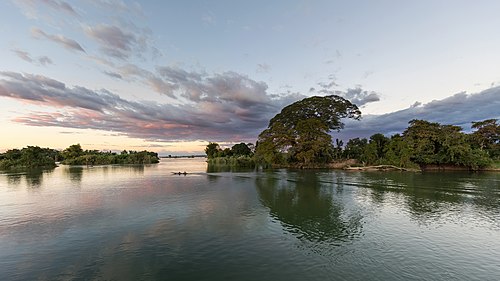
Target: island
<point x="300" y="136"/>
<point x="35" y="157"/>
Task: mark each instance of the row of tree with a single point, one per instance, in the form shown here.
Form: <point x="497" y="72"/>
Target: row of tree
<point x="300" y="135"/>
<point x="239" y="155"/>
<point x="75" y="155"/>
<point x="213" y="150"/>
<point x="426" y="143"/>
<point x="36" y="157"/>
<point x="28" y="157"/>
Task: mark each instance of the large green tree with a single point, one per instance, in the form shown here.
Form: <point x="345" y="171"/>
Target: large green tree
<point x="355" y="148"/>
<point x="374" y="152"/>
<point x="314" y="144"/>
<point x="73" y="151"/>
<point x="423" y="138"/>
<point x="28" y="157"/>
<point x="397" y="152"/>
<point x="300" y="132"/>
<point x="435" y="144"/>
<point x="487" y="137"/>
<point x="241" y="149"/>
<point x="212" y="149"/>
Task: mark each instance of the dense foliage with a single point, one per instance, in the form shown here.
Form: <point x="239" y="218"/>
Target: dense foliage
<point x="423" y="144"/>
<point x="75" y="155"/>
<point x="36" y="157"/>
<point x="487" y="137"/>
<point x="240" y="155"/>
<point x="213" y="150"/>
<point x="28" y="157"/>
<point x="436" y="144"/>
<point x="426" y="144"/>
<point x="300" y="133"/>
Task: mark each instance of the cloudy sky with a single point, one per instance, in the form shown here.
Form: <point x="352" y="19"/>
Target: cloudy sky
<point x="169" y="76"/>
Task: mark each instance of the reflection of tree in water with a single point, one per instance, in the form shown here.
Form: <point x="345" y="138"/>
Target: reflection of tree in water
<point x="489" y="197"/>
<point x="218" y="168"/>
<point x="214" y="168"/>
<point x="14" y="179"/>
<point x="307" y="209"/>
<point x="34" y="177"/>
<point x="430" y="196"/>
<point x="213" y="178"/>
<point x="138" y="169"/>
<point x="75" y="173"/>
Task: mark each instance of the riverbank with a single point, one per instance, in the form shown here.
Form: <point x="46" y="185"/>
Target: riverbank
<point x="353" y="165"/>
<point x="349" y="164"/>
<point x="381" y="168"/>
<point x="34" y="157"/>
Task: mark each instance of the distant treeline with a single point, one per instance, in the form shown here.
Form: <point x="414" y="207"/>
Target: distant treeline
<point x="36" y="157"/>
<point x="423" y="144"/>
<point x="428" y="144"/>
<point x="28" y="157"/>
<point x="239" y="155"/>
<point x="184" y="156"/>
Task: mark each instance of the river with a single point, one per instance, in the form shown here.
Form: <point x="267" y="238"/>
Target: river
<point x="145" y="223"/>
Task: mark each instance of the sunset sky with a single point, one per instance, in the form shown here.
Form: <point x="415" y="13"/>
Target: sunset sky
<point x="169" y="76"/>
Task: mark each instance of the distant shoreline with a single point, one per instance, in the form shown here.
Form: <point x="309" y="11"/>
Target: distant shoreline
<point x="183" y="156"/>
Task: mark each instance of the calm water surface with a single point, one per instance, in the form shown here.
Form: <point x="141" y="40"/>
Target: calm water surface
<point x="144" y="223"/>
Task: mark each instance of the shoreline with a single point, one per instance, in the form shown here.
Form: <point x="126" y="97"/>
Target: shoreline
<point x="349" y="165"/>
<point x="354" y="165"/>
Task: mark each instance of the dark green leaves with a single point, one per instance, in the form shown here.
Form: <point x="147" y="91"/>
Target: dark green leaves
<point x="300" y="132"/>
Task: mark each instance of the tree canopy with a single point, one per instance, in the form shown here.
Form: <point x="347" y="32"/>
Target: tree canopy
<point x="487" y="137"/>
<point x="300" y="132"/>
<point x="28" y="158"/>
<point x="213" y="150"/>
<point x="435" y="144"/>
<point x="329" y="110"/>
<point x="241" y="149"/>
<point x="75" y="155"/>
<point x="35" y="157"/>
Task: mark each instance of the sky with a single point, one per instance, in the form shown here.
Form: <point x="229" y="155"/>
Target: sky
<point x="170" y="76"/>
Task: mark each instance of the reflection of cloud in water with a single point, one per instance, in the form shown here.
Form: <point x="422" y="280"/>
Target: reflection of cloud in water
<point x="176" y="233"/>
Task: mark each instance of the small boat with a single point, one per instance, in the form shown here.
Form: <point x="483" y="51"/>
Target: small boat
<point x="180" y="173"/>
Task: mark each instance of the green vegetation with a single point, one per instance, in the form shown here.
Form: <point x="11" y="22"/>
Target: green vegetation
<point x="28" y="158"/>
<point x="35" y="157"/>
<point x="487" y="137"/>
<point x="299" y="136"/>
<point x="75" y="155"/>
<point x="424" y="144"/>
<point x="436" y="144"/>
<point x="239" y="155"/>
